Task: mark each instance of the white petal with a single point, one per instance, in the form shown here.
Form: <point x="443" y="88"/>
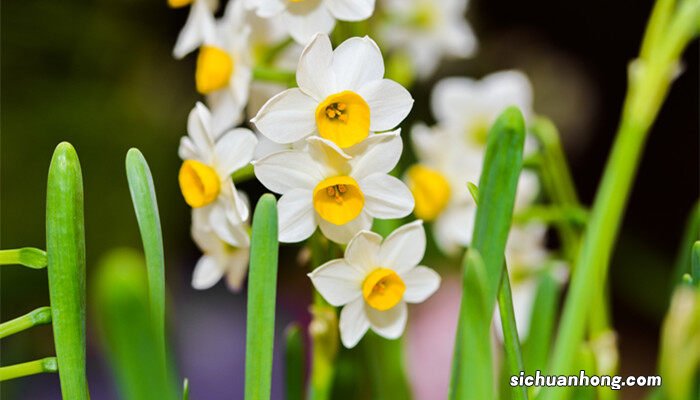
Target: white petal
<point x="421" y="282"/>
<point x="453" y="228"/>
<point x="236" y="269"/>
<point x="404" y="248"/>
<point x="327" y="154"/>
<point x="314" y="74"/>
<point x="353" y="323"/>
<point x="389" y="324"/>
<point x="234" y="235"/>
<point x="452" y="98"/>
<point x="187" y="150"/>
<point x="363" y="249"/>
<point x="343" y="233"/>
<point x="389" y="103"/>
<point x="350" y="10"/>
<point x="287" y="170"/>
<point x="226" y="111"/>
<point x="236" y="206"/>
<point x="338" y="282"/>
<point x="386" y="197"/>
<point x="297" y="218"/>
<point x="206" y="273"/>
<point x="234" y="150"/>
<point x="379" y="153"/>
<point x="287" y="117"/>
<point x="199" y="130"/>
<point x="199" y="28"/>
<point x="460" y="40"/>
<point x="269" y="8"/>
<point x="357" y="61"/>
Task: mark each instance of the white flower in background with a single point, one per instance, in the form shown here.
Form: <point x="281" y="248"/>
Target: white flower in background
<point x="467" y="108"/>
<point x="224" y="71"/>
<point x="439" y="180"/>
<point x="338" y="191"/>
<point x="375" y="280"/>
<point x="526" y="257"/>
<point x="304" y="18"/>
<point x="342" y="96"/>
<point x="428" y="30"/>
<point x="198" y="27"/>
<point x="205" y="174"/>
<point x="226" y="250"/>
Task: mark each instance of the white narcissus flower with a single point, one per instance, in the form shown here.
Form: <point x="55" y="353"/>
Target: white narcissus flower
<point x="467" y="108"/>
<point x="205" y="174"/>
<point x="225" y="247"/>
<point x="428" y="30"/>
<point x="338" y="191"/>
<point x="342" y="96"/>
<point x="375" y="280"/>
<point x="224" y="71"/>
<point x="198" y="27"/>
<point x="439" y="185"/>
<point x="304" y="18"/>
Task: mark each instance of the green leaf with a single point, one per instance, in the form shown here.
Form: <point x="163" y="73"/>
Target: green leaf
<point x="27" y="256"/>
<point x="143" y="196"/>
<point x="472" y="365"/>
<point x="295" y="362"/>
<point x="262" y="291"/>
<point x="40" y="316"/>
<point x="474" y="191"/>
<point x="511" y="341"/>
<point x="384" y="361"/>
<point x="472" y="375"/>
<point x="186" y="389"/>
<point x="65" y="248"/>
<point x="127" y="331"/>
<point x="690" y="235"/>
<point x="696" y="263"/>
<point x="544" y="312"/>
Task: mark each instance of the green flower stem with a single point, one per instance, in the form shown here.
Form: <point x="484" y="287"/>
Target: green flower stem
<point x="511" y="340"/>
<point x="29" y="368"/>
<point x="65" y="248"/>
<point x="186" y="389"/>
<point x="273" y="52"/>
<point x="143" y="197"/>
<point x="40" y="316"/>
<point x="294" y="362"/>
<point x="650" y="79"/>
<point x="323" y="330"/>
<point x="262" y="294"/>
<point x="27" y="256"/>
<point x="569" y="216"/>
<point x="275" y="75"/>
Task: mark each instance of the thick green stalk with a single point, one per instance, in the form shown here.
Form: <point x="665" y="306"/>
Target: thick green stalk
<point x="294" y="362"/>
<point x="126" y="328"/>
<point x="143" y="197"/>
<point x="511" y="340"/>
<point x="262" y="293"/>
<point x="385" y="364"/>
<point x="650" y="78"/>
<point x="27" y="256"/>
<point x="471" y="374"/>
<point x="65" y="244"/>
<point x="40" y="316"/>
<point x="28" y="368"/>
<point x="537" y="346"/>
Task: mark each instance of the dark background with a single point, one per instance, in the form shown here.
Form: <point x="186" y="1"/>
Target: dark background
<point x="100" y="75"/>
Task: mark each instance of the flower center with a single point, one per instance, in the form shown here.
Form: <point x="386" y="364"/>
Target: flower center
<point x="338" y="200"/>
<point x="343" y="118"/>
<point x="214" y="69"/>
<point x="199" y="183"/>
<point x="478" y="131"/>
<point x="383" y="289"/>
<point x="179" y="3"/>
<point x="430" y="189"/>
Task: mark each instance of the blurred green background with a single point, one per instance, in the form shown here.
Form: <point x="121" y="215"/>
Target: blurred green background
<point x="100" y="75"/>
